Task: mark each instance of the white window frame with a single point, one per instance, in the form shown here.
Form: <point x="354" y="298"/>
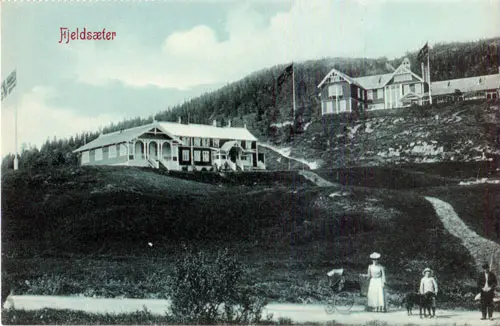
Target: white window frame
<point x="333" y="89"/>
<point x="359" y="92"/>
<point x="248" y="144"/>
<point x="380" y="93"/>
<point x="206" y="156"/>
<point x="343" y="106"/>
<point x="98" y="154"/>
<point x="206" y="142"/>
<point x="85" y="157"/>
<point x="329" y="107"/>
<point x="185" y="155"/>
<point x="216" y="143"/>
<point x="197" y="142"/>
<point x="112" y="151"/>
<point x="122" y="151"/>
<point x="197" y="155"/>
<point x="370" y="94"/>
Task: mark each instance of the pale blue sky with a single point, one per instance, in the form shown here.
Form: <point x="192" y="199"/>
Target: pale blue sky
<point x="169" y="51"/>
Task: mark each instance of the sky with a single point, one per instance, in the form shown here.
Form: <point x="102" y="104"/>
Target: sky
<point x="166" y="52"/>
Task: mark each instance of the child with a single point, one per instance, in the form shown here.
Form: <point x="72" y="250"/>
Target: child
<point x="429" y="285"/>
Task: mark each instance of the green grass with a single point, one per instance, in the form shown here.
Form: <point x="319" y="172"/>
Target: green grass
<point x="86" y="231"/>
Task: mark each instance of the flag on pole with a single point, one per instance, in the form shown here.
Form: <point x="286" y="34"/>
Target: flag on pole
<point x="284" y="75"/>
<point x="423" y="53"/>
<point x="8" y="84"/>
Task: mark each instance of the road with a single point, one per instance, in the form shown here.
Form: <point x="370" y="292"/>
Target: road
<point x="298" y="313"/>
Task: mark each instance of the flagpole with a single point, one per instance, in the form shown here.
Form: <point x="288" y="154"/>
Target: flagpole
<point x="423" y="77"/>
<point x="429" y="74"/>
<point x="16" y="159"/>
<point x="293" y="85"/>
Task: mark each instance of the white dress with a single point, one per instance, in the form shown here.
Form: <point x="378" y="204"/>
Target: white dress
<point x="376" y="288"/>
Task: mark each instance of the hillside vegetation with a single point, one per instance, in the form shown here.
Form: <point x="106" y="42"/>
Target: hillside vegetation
<point x="461" y="132"/>
<point x="86" y="231"/>
<point x="261" y="104"/>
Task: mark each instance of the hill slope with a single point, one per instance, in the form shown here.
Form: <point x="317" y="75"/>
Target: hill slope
<point x="86" y="230"/>
<point x="462" y="132"/>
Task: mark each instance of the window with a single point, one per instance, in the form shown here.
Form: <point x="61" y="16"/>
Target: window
<point x="380" y="93"/>
<point x="418" y="89"/>
<point x="412" y="88"/>
<point x="85" y="157"/>
<point x="407" y="89"/>
<point x="370" y="94"/>
<point x="359" y="92"/>
<point x="206" y="156"/>
<point x="98" y="154"/>
<point x="248" y="144"/>
<point x="185" y="154"/>
<point x="206" y="142"/>
<point x="223" y="157"/>
<point x="335" y="90"/>
<point x="342" y="106"/>
<point x="112" y="151"/>
<point x="329" y="107"/>
<point x="197" y="156"/>
<point x="216" y="143"/>
<point x="197" y="142"/>
<point x="122" y="150"/>
<point x="244" y="158"/>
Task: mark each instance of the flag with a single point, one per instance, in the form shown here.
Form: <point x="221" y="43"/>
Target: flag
<point x="423" y="53"/>
<point x="8" y="84"/>
<point x="288" y="72"/>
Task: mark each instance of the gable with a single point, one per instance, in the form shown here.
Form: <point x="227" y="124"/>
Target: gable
<point x="155" y="133"/>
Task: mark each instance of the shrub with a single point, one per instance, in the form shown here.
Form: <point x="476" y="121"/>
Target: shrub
<point x="206" y="290"/>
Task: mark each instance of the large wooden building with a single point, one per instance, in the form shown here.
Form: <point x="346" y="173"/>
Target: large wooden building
<point x="176" y="146"/>
<point x="342" y="93"/>
<point x="401" y="88"/>
<point x="472" y="88"/>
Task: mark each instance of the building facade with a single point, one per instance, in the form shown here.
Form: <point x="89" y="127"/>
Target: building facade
<point x="472" y="88"/>
<point x="176" y="146"/>
<point x="401" y="88"/>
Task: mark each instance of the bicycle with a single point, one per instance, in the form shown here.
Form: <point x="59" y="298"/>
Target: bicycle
<point x="342" y="301"/>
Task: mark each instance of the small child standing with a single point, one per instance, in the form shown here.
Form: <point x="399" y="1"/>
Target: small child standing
<point x="429" y="284"/>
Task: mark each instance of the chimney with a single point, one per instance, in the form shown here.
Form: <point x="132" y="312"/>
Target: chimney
<point x="229" y="123"/>
<point x="179" y="120"/>
<point x="245" y="126"/>
<point x="214" y="123"/>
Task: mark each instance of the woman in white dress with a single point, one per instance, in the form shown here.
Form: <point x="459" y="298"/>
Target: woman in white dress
<point x="376" y="295"/>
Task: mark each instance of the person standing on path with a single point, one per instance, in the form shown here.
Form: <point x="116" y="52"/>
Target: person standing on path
<point x="376" y="295"/>
<point x="486" y="283"/>
<point x="428" y="284"/>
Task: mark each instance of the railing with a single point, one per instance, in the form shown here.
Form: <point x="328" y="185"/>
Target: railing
<point x="153" y="163"/>
<point x="231" y="164"/>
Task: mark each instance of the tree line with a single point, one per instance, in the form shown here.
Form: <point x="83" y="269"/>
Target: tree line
<point x="262" y="103"/>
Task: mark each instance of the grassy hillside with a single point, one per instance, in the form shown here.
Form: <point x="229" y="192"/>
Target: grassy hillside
<point x="462" y="132"/>
<point x="257" y="101"/>
<point x="86" y="231"/>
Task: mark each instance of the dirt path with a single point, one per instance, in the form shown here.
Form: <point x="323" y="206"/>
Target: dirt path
<point x="319" y="181"/>
<point x="481" y="249"/>
<point x="298" y="313"/>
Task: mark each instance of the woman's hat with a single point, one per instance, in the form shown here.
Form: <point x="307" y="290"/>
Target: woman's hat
<point x="427" y="270"/>
<point x="375" y="255"/>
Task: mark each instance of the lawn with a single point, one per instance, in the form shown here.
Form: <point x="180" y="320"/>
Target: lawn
<point x="87" y="231"/>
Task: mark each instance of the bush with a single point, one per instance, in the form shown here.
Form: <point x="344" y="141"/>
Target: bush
<point x="207" y="291"/>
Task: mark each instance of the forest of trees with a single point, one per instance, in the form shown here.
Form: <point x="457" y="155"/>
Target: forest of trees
<point x="259" y="101"/>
